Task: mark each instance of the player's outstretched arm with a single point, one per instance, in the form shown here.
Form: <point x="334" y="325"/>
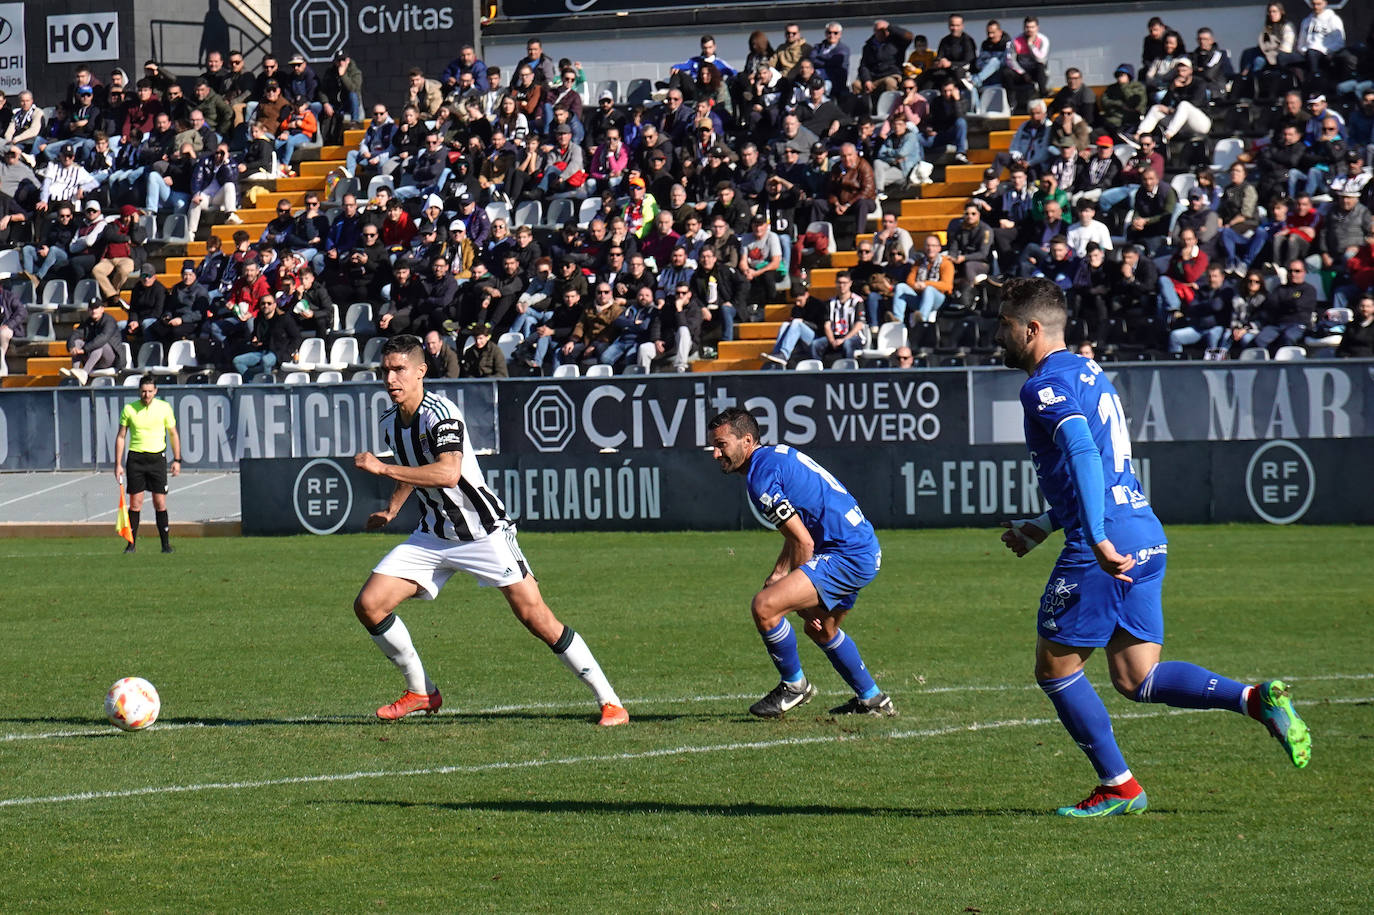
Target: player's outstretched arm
<point x="444" y="473"/>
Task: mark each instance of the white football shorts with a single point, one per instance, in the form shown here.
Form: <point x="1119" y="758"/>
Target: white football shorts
<point x="429" y="561"/>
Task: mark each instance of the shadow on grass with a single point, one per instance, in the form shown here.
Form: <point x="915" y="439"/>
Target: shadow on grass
<point x="537" y="715"/>
<point x="455" y="717"/>
<point x="747" y="809"/>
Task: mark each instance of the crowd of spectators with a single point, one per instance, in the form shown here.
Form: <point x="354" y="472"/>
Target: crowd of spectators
<point x="687" y="212"/>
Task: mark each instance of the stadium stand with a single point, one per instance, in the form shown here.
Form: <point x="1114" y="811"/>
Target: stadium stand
<point x="544" y="208"/>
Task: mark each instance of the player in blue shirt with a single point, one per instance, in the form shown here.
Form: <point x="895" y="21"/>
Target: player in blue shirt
<point x="829" y="552"/>
<point x="1077" y="435"/>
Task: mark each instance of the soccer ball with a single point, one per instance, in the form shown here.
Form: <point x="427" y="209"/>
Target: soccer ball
<point x="132" y="704"/>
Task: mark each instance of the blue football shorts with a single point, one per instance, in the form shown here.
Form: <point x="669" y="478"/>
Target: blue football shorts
<point x="838" y="577"/>
<point x="1083" y="606"/>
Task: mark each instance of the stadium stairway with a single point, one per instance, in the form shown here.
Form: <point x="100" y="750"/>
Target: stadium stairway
<point x="931" y="212"/>
<point x="37" y="363"/>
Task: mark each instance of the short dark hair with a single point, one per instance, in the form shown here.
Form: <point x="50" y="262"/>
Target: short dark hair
<point x="740" y="421"/>
<point x="149" y="378"/>
<point x="1026" y="299"/>
<point x="409" y="344"/>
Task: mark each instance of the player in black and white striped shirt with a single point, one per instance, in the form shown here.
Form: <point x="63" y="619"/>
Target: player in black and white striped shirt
<point x="463" y="527"/>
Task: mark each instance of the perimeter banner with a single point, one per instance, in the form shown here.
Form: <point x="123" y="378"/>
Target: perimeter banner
<point x="806" y="409"/>
<point x="897" y="486"/>
<point x="75" y="428"/>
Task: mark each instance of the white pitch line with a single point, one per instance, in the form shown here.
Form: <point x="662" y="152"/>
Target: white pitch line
<point x="554" y="706"/>
<point x="178" y="490"/>
<point x="30" y="495"/>
<point x="975" y="727"/>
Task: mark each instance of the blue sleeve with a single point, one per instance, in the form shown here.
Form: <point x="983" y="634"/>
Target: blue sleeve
<point x="1085" y="467"/>
<point x="767" y="491"/>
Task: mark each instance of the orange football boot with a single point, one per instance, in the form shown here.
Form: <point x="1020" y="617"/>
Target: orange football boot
<point x="409" y="703"/>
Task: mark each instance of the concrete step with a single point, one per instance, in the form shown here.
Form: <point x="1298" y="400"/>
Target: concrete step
<point x="759" y="330"/>
<point x="353" y="137"/>
<point x="743" y="349"/>
<point x="319" y="169"/>
<point x="935" y="223"/>
<point x="303" y="183"/>
<point x="933" y="206"/>
<point x="727" y="365"/>
<point x="777" y="312"/>
<point x="265" y="198"/>
<point x="972" y="173"/>
<point x="960" y="189"/>
<point x="225" y="233"/>
<point x="47" y="365"/>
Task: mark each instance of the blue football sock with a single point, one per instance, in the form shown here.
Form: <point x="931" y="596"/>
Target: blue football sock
<point x="1086" y="719"/>
<point x="1185" y="685"/>
<point x="844" y="655"/>
<point x="781" y="643"/>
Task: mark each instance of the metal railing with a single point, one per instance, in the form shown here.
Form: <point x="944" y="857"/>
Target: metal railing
<point x="174" y="36"/>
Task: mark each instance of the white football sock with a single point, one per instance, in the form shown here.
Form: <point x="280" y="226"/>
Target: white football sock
<point x="394" y="641"/>
<point x="578" y="657"/>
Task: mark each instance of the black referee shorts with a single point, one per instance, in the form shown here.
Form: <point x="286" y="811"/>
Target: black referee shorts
<point x="146" y="472"/>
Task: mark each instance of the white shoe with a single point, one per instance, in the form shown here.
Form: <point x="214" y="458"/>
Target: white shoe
<point x="65" y="372"/>
<point x="81" y="375"/>
<point x="234" y="219"/>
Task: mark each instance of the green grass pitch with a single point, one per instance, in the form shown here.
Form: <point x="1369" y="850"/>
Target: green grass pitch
<point x="268" y="786"/>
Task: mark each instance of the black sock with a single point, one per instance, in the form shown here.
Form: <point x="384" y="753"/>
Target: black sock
<point x="162" y="527"/>
<point x="134" y="517"/>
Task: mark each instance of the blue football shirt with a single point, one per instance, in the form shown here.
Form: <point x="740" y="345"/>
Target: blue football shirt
<point x="1066" y="385"/>
<point x="784" y="482"/>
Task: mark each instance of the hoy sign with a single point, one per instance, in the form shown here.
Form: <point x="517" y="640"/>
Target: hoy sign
<point x="89" y="36"/>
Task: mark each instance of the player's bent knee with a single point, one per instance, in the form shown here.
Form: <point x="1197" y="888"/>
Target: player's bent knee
<point x="766" y="611"/>
<point x="1127" y="685"/>
<point x="372" y="606"/>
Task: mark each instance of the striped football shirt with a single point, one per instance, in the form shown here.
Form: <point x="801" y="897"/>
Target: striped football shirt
<point x="467" y="511"/>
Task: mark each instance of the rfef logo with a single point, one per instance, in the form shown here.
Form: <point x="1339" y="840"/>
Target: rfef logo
<point x="1280" y="482"/>
<point x="323" y="497"/>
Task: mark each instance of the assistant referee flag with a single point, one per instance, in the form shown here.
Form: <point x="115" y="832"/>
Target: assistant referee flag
<point x="122" y="519"/>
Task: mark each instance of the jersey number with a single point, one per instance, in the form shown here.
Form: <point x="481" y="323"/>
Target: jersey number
<point x="1110" y="412"/>
<point x="854" y="516"/>
<point x="821" y="472"/>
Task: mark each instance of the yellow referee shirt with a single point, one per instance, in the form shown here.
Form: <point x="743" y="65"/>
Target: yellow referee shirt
<point x="148" y="425"/>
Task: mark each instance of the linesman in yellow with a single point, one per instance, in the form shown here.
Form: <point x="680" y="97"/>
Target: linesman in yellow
<point x="145" y="424"/>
